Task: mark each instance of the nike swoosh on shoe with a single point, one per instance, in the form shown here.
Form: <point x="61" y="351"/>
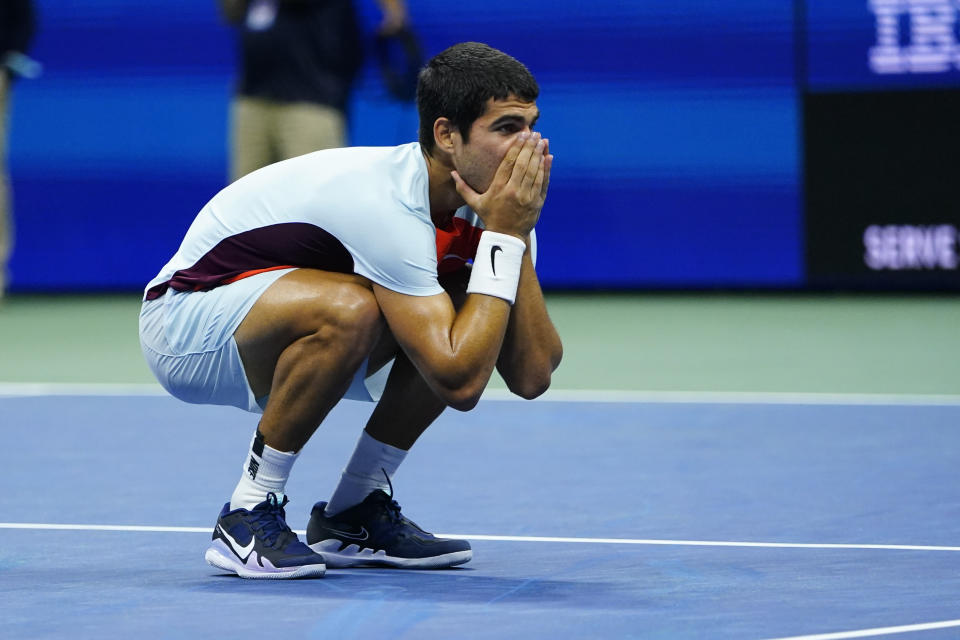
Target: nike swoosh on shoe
<point x="243" y="552"/>
<point x="351" y="535"/>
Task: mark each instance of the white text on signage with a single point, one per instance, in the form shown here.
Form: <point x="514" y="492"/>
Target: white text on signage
<point x="915" y="36"/>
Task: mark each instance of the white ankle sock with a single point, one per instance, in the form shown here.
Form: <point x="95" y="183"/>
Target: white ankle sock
<point x="266" y="470"/>
<point x="365" y="473"/>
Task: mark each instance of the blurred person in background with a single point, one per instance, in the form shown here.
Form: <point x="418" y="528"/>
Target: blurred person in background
<point x="298" y="60"/>
<point x="16" y="30"/>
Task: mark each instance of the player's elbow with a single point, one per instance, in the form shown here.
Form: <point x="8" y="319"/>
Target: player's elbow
<point x="460" y="388"/>
<point x="533" y="379"/>
<point x="463" y="398"/>
<point x="530" y="386"/>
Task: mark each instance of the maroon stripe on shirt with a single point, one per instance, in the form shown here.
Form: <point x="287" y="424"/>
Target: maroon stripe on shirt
<point x="289" y="244"/>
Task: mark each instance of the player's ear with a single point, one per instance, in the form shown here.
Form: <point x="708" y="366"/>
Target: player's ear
<point x="444" y="134"/>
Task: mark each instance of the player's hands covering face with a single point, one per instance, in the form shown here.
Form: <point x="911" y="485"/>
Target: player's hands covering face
<point x="512" y="203"/>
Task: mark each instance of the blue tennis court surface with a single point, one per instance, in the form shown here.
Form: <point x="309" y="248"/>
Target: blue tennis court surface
<point x="644" y="502"/>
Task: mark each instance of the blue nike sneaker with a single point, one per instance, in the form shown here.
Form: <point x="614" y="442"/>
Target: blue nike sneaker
<point x="375" y="534"/>
<point x="259" y="544"/>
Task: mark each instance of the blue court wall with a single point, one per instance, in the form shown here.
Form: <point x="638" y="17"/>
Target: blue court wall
<point x="675" y="125"/>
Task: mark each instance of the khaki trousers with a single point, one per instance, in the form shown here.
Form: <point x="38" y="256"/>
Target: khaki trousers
<point x="264" y="132"/>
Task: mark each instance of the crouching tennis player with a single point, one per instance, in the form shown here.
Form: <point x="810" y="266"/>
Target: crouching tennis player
<point x="345" y="274"/>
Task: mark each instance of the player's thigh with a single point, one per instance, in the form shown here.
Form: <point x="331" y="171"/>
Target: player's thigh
<point x="306" y="127"/>
<point x="250" y="144"/>
<point x="303" y="303"/>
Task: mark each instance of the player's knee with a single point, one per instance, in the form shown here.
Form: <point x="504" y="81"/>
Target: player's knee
<point x="348" y="317"/>
<point x="356" y="318"/>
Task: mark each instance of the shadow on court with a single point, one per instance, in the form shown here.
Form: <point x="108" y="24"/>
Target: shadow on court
<point x="451" y="586"/>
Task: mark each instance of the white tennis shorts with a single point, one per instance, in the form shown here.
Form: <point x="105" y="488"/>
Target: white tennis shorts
<point x="187" y="340"/>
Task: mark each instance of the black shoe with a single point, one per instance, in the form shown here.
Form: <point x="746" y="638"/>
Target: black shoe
<point x="374" y="534"/>
<point x="259" y="544"/>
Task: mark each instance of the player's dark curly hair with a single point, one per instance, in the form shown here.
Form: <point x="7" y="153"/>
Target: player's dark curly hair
<point x="457" y="83"/>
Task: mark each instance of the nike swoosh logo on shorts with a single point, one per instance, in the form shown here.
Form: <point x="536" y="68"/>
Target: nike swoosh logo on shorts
<point x="493" y="257"/>
<point x="352" y="535"/>
<point x="236" y="547"/>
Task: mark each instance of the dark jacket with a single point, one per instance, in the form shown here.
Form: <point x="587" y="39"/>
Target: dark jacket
<point x="310" y="53"/>
<point x="16" y="25"/>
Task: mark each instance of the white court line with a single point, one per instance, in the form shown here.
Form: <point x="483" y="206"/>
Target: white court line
<point x="459" y="536"/>
<point x="31" y="389"/>
<point x="102" y="527"/>
<point x="841" y="635"/>
<point x="879" y="631"/>
<point x="735" y="397"/>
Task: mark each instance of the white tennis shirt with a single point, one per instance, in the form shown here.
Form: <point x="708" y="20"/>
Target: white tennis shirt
<point x="363" y="210"/>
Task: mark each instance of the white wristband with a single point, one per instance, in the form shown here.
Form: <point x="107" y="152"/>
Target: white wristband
<point x="496" y="269"/>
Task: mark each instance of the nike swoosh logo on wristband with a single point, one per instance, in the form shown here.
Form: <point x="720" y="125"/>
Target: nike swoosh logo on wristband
<point x="493" y="257"/>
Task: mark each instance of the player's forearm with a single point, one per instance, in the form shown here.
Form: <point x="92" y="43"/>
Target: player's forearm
<point x="455" y="351"/>
<point x="460" y="369"/>
<point x="532" y="348"/>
